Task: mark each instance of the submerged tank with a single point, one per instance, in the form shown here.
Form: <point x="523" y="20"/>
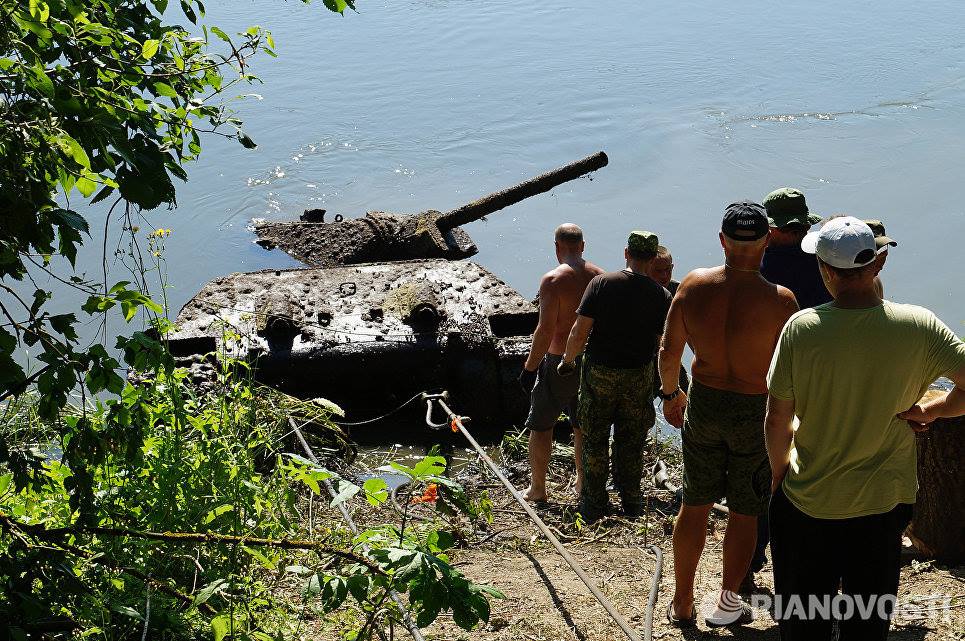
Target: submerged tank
<point x="384" y="311"/>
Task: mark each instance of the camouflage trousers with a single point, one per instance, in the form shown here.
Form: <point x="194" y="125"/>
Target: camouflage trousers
<point x="621" y="398"/>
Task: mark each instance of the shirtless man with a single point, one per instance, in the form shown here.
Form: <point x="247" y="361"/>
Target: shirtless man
<point x="731" y="317"/>
<point x="560" y="292"/>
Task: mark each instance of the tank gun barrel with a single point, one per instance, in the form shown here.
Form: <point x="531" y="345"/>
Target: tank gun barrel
<point x="506" y="197"/>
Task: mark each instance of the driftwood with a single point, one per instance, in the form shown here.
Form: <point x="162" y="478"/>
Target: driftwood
<point x="938" y="526"/>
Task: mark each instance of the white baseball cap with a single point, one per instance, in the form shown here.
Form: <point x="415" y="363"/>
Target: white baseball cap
<point x="845" y="242"/>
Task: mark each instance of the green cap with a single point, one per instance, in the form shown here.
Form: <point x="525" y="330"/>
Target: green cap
<point x="643" y="241"/>
<point x="787" y="205"/>
<point x="878" y="229"/>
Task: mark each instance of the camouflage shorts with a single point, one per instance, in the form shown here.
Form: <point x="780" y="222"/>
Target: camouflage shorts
<point x="723" y="447"/>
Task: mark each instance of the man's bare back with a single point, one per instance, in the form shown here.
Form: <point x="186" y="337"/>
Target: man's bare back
<point x="733" y="320"/>
<point x="560" y="292"/>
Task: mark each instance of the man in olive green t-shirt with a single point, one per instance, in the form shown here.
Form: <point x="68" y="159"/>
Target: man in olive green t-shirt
<point x="846" y="479"/>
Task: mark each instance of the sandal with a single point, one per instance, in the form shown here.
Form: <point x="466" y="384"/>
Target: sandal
<point x="688" y="622"/>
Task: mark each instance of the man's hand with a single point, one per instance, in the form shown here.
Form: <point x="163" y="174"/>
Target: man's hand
<point x="918" y="417"/>
<point x="566" y="368"/>
<point x="673" y="410"/>
<point x="527" y="379"/>
<point x="777" y="480"/>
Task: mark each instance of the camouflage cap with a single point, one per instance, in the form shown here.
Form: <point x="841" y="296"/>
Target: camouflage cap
<point x="878" y="229"/>
<point x="786" y="206"/>
<point x="643" y="241"/>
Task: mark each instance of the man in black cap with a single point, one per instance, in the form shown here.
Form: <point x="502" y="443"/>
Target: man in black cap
<point x="731" y="317"/>
<point x="785" y="263"/>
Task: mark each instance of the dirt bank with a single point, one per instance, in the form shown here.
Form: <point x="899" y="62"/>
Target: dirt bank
<point x="546" y="601"/>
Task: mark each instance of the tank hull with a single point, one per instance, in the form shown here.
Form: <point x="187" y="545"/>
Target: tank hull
<point x="370" y="336"/>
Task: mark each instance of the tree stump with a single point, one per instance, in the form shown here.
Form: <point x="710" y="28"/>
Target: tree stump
<point x="938" y="526"/>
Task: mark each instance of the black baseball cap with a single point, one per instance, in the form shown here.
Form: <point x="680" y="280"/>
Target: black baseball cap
<point x="745" y="220"/>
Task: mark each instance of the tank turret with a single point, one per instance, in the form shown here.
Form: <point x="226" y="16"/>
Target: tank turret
<point x="384" y="236"/>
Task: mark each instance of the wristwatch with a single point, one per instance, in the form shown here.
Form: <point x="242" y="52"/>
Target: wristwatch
<point x="669" y="397"/>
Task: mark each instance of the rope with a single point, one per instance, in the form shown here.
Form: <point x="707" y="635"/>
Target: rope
<point x="381" y="417"/>
<point x="457" y="426"/>
<point x="409" y="623"/>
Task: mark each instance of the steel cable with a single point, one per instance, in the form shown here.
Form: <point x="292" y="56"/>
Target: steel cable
<point x="457" y="426"/>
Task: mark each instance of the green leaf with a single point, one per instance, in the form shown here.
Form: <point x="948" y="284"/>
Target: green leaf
<point x="216" y="512"/>
<point x="149" y="48"/>
<point x="69" y="218"/>
<point x="5" y="482"/>
<point x="78" y="153"/>
<point x="102" y="194"/>
<point x="86" y="186"/>
<point x="209" y="590"/>
<point x="346" y="491"/>
<point x="338" y="6"/>
<point x="376" y="491"/>
<point x="127" y="611"/>
<point x="439" y="541"/>
<point x="313" y="587"/>
<point x="43" y="82"/>
<point x="333" y="593"/>
<point x="164" y="89"/>
<point x="219" y="626"/>
<point x="246" y="141"/>
<point x="265" y="562"/>
<point x="64" y="324"/>
<point x="359" y="586"/>
<point x="221" y="34"/>
<point x="119" y="286"/>
<point x="298" y="570"/>
<point x="430" y="466"/>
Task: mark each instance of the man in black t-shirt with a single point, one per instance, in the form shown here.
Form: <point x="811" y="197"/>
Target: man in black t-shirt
<point x="619" y="321"/>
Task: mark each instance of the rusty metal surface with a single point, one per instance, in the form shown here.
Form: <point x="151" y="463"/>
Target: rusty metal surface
<point x="367" y="335"/>
<point x="359" y="303"/>
<point x="384" y="236"/>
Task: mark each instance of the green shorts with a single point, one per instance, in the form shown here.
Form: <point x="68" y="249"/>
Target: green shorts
<point x="723" y="448"/>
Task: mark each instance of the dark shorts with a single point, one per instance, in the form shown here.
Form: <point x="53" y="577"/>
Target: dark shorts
<point x="552" y="395"/>
<point x="723" y="448"/>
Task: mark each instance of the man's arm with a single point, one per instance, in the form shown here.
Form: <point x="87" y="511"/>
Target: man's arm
<point x="778" y="434"/>
<point x="575" y="344"/>
<point x="668" y="361"/>
<point x="944" y="406"/>
<point x="549" y="303"/>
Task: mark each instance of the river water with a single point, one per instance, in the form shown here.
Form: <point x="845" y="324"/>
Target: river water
<point x="408" y="105"/>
